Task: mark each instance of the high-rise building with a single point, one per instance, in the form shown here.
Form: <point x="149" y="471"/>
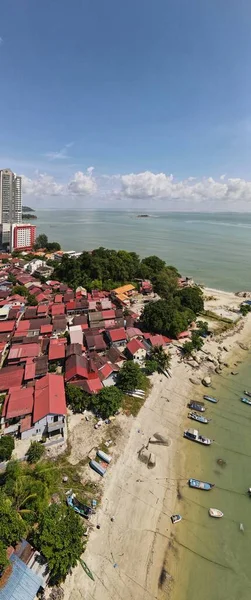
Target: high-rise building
<point x="10" y="197"/>
<point x="22" y="236"/>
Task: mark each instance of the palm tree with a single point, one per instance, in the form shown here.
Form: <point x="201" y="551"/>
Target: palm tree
<point x="158" y="354"/>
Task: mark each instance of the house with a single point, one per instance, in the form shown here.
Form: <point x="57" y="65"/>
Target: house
<point x="95" y="341"/>
<point x="157" y="339"/>
<point x="11" y="376"/>
<point x="133" y="332"/>
<point x="117" y="336"/>
<point x="115" y="356"/>
<point x="34" y="264"/>
<point x="76" y="334"/>
<point x="26" y="573"/>
<point x="146" y="287"/>
<point x="73" y="349"/>
<point x="136" y="351"/>
<point x="76" y="368"/>
<point x="19" y="352"/>
<point x="59" y="324"/>
<point x="57" y="350"/>
<point x="57" y="309"/>
<point x="108" y="374"/>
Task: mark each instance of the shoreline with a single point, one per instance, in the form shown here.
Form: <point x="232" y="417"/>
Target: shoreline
<point x="132" y="555"/>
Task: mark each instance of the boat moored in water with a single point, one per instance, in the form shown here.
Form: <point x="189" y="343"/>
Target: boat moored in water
<point x="247" y="393"/>
<point x="194" y="436"/>
<point x="246" y="401"/>
<point x="210" y="399"/>
<point x="176" y="518"/>
<point x="200" y="485"/>
<point x="215" y="513"/>
<point x="199" y="418"/>
<point x="199" y="406"/>
<point x="249" y="492"/>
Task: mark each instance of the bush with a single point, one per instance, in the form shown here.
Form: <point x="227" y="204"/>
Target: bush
<point x="35" y="452"/>
<point x="7" y="445"/>
<point x="150" y="367"/>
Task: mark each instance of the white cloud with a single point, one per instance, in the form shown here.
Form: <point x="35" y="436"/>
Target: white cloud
<point x="60" y="154"/>
<point x="82" y="184"/>
<point x="1" y="41"/>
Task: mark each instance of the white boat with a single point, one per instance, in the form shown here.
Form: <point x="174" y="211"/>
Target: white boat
<point x="216" y="513"/>
<point x="194" y="436"/>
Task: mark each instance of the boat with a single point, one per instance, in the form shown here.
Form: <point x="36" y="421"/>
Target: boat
<point x="86" y="569"/>
<point x="199" y="406"/>
<point x="210" y="399"/>
<point x="241" y="527"/>
<point x="234" y="372"/>
<point x="247" y="393"/>
<point x="246" y="401"/>
<point x="194" y="436"/>
<point x="78" y="507"/>
<point x="216" y="513"/>
<point x="176" y="518"/>
<point x="249" y="492"/>
<point x="200" y="485"/>
<point x="199" y="418"/>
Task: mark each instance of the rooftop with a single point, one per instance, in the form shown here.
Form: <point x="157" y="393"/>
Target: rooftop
<point x="49" y="396"/>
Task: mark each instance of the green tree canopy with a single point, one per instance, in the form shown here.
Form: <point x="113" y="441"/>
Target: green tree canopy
<point x="35" y="452"/>
<point x="21" y="290"/>
<point x="150" y="367"/>
<point x="165" y="283"/>
<point x="77" y="399"/>
<point x="7" y="445"/>
<point x="154" y="264"/>
<point x="41" y="241"/>
<point x="59" y="538"/>
<point x="12" y="528"/>
<point x="3" y="557"/>
<point x="107" y="401"/>
<point x="166" y="317"/>
<point x="158" y="354"/>
<point x="130" y="377"/>
<point x="31" y="299"/>
<point x="192" y="297"/>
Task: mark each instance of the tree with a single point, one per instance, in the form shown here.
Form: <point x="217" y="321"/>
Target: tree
<point x="130" y="377"/>
<point x="12" y="528"/>
<point x="187" y="348"/>
<point x="202" y="328"/>
<point x="7" y="445"/>
<point x="77" y="399"/>
<point x="192" y="297"/>
<point x="165" y="283"/>
<point x="59" y="538"/>
<point x="154" y="265"/>
<point x="245" y="309"/>
<point x="3" y="558"/>
<point x="35" y="452"/>
<point x="21" y="290"/>
<point x="151" y="366"/>
<point x="196" y="340"/>
<point x="166" y="317"/>
<point x="53" y="246"/>
<point x="107" y="401"/>
<point x="159" y="355"/>
<point x="41" y="241"/>
<point x="31" y="299"/>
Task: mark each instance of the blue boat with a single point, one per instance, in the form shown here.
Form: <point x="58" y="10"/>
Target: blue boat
<point x="199" y="418"/>
<point x="200" y="485"/>
<point x="246" y="401"/>
<point x="210" y="399"/>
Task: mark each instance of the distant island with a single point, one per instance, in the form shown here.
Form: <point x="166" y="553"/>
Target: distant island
<point x="27" y="209"/>
<point x="142" y="216"/>
<point x="27" y="213"/>
<point x="26" y="216"/>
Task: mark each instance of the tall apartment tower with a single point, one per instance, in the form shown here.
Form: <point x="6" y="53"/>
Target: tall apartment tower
<point x="10" y="197"/>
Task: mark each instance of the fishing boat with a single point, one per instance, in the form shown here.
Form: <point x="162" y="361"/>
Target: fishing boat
<point x="176" y="518"/>
<point x="199" y="418"/>
<point x="199" y="406"/>
<point x="246" y="401"/>
<point x="216" y="513"/>
<point x="247" y="393"/>
<point x="79" y="507"/>
<point x="86" y="569"/>
<point x="210" y="399"/>
<point x="200" y="485"/>
<point x="194" y="436"/>
<point x="249" y="492"/>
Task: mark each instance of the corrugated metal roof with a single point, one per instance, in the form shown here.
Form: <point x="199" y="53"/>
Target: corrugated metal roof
<point x="22" y="584"/>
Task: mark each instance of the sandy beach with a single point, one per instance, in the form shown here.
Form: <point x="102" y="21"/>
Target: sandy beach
<point x="127" y="555"/>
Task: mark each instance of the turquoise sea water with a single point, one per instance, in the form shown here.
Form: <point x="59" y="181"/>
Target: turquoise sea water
<point x="214" y="555"/>
<point x="213" y="248"/>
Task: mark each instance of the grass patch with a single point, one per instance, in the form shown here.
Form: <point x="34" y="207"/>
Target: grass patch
<point x="132" y="405"/>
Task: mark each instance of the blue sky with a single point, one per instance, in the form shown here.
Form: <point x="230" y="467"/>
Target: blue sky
<point x="139" y="90"/>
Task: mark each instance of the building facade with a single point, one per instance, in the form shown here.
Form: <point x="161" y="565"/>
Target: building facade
<point x="22" y="236"/>
<point x="10" y="197"/>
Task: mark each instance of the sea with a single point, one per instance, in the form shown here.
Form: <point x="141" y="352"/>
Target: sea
<point x="211" y="557"/>
<point x="213" y="248"/>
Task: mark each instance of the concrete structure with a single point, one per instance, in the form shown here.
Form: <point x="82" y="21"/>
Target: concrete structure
<point x="34" y="264"/>
<point x="10" y="197"/>
<point x="22" y="236"/>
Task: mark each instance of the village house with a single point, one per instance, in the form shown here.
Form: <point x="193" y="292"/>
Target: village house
<point x="117" y="337"/>
<point x="136" y="351"/>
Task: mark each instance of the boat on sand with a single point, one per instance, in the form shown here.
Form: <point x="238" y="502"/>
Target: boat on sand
<point x="210" y="399"/>
<point x="194" y="436"/>
<point x="247" y="393"/>
<point x="199" y="418"/>
<point x="176" y="518"/>
<point x="199" y="406"/>
<point x="215" y="513"/>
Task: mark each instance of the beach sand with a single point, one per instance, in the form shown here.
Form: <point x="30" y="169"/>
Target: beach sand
<point x="127" y="555"/>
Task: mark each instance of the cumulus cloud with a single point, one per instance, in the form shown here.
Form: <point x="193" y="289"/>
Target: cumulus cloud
<point x="148" y="185"/>
<point x="82" y="184"/>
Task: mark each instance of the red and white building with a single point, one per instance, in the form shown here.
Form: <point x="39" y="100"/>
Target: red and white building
<point x="22" y="236"/>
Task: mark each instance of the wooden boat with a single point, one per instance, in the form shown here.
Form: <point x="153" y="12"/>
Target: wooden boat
<point x="247" y="393"/>
<point x="199" y="406"/>
<point x="210" y="399"/>
<point x="199" y="418"/>
<point x="249" y="492"/>
<point x="194" y="436"/>
<point x="176" y="518"/>
<point x="216" y="513"/>
<point x="246" y="401"/>
<point x="86" y="569"/>
<point x="200" y="485"/>
<point x="79" y="507"/>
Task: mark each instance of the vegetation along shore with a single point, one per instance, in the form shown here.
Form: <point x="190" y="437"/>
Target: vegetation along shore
<point x="92" y="481"/>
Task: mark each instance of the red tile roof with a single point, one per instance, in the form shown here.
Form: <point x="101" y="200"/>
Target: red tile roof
<point x="58" y="298"/>
<point x="134" y="345"/>
<point x="132" y="332"/>
<point x="20" y="402"/>
<point x="117" y="335"/>
<point x="49" y="397"/>
<point x="11" y="376"/>
<point x="183" y="334"/>
<point x="46" y="329"/>
<point x="93" y="386"/>
<point x="76" y="367"/>
<point x="41" y="297"/>
<point x="6" y="326"/>
<point x="42" y="309"/>
<point x="58" y="309"/>
<point x="105" y="371"/>
<point x="30" y="370"/>
<point x="18" y="351"/>
<point x="56" y="349"/>
<point x="108" y="314"/>
<point x="71" y="305"/>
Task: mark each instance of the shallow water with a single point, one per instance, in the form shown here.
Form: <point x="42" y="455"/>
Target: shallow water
<point x="213" y="248"/>
<point x="214" y="555"/>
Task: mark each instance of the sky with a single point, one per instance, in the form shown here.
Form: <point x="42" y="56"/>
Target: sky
<point x="143" y="104"/>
